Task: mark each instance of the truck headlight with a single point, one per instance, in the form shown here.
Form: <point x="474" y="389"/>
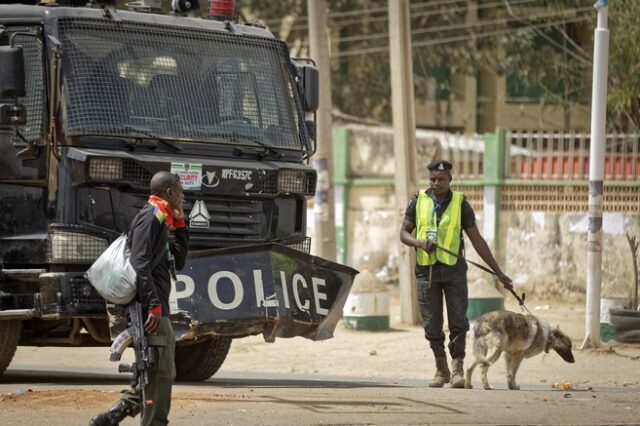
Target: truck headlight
<point x="74" y="247"/>
<point x="292" y="181"/>
<point x="105" y="169"/>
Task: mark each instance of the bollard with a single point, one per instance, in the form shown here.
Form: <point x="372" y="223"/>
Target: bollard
<point x="367" y="307"/>
<point x="483" y="298"/>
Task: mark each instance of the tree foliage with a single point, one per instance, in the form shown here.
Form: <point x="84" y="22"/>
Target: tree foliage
<point x="624" y="65"/>
<point x="544" y="47"/>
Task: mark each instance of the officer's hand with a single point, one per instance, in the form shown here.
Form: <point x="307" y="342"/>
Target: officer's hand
<point x="428" y="246"/>
<point x="152" y="325"/>
<point x="506" y="281"/>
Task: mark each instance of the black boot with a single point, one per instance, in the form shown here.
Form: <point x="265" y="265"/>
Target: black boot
<point x="114" y="415"/>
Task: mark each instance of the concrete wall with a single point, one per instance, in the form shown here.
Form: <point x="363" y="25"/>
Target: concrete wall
<point x="372" y="230"/>
<point x="546" y="253"/>
<point x="543" y="252"/>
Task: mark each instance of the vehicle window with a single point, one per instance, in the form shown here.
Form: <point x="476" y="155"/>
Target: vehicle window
<point x="130" y="79"/>
<point x="11" y="167"/>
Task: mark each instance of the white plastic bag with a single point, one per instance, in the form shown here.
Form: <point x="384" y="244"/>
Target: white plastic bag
<point x="112" y="274"/>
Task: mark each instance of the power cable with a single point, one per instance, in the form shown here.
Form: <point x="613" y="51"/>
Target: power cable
<point x="580" y="55"/>
<point x="429" y="4"/>
<point x="467" y="37"/>
<point x="465" y="25"/>
<point x="302" y="26"/>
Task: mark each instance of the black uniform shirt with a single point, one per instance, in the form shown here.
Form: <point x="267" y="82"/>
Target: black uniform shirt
<point x="468" y="220"/>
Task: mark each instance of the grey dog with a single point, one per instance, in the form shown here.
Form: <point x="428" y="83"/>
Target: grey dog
<point x="518" y="336"/>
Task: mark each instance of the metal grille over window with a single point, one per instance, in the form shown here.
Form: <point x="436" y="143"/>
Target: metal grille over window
<point x="153" y="81"/>
<point x="34" y="100"/>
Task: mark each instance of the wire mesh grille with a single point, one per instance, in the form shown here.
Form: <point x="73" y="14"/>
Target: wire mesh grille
<point x="135" y="173"/>
<point x="34" y="100"/>
<point x="287" y="181"/>
<point x="72" y="244"/>
<point x="135" y="79"/>
<point x="84" y="295"/>
<point x="119" y="170"/>
<point x="303" y="245"/>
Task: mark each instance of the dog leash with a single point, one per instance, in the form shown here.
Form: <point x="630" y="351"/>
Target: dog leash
<point x="520" y="299"/>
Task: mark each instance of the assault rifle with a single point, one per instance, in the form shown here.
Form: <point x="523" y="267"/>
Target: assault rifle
<point x="144" y="354"/>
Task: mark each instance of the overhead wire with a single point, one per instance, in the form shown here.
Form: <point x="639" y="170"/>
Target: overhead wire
<point x="366" y="20"/>
<point x="465" y="25"/>
<point x="456" y="39"/>
<point x="579" y="54"/>
<point x="384" y="9"/>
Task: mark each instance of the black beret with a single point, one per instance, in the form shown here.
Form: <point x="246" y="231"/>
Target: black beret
<point x="439" y="165"/>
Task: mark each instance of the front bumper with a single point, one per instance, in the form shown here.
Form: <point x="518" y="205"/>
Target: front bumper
<point x="266" y="288"/>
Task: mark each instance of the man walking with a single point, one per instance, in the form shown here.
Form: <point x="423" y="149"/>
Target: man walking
<point x="438" y="216"/>
<point x="152" y="246"/>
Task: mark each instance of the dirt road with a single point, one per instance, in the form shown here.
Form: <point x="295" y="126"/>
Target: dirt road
<point x="355" y="378"/>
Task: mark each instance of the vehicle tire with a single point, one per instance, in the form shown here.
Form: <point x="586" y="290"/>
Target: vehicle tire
<point x="625" y="319"/>
<point x="9" y="338"/>
<point x="196" y="363"/>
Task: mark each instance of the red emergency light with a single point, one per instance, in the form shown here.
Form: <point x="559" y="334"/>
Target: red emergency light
<point x="224" y="10"/>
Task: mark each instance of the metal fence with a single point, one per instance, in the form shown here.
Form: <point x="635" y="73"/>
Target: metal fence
<point x="565" y="156"/>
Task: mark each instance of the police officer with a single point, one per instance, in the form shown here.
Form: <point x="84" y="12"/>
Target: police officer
<point x="438" y="216"/>
<point x="157" y="232"/>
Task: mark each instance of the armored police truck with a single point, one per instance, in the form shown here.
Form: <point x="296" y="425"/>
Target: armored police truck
<point x="93" y="102"/>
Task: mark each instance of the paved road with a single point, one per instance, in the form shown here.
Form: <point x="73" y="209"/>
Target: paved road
<point x="354" y="378"/>
<point x="69" y="397"/>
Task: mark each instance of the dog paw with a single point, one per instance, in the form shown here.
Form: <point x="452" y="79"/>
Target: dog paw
<point x="468" y="386"/>
<point x="514" y="387"/>
<point x="488" y="387"/>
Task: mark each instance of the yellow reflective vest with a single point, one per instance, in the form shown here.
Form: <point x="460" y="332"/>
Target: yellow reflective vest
<point x="448" y="229"/>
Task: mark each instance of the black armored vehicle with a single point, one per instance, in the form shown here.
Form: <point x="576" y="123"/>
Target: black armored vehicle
<point x="93" y="102"/>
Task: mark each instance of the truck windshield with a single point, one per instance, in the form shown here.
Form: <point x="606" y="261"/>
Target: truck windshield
<point x="133" y="79"/>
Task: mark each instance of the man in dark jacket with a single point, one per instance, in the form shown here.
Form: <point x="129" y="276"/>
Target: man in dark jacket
<point x="157" y="235"/>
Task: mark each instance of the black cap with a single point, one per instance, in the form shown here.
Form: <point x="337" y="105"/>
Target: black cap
<point x="439" y="165"/>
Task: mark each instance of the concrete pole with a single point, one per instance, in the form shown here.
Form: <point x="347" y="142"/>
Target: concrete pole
<point x="596" y="176"/>
<point x="324" y="242"/>
<point x="404" y="148"/>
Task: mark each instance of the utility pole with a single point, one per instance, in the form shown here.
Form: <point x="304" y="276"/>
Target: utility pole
<point x="596" y="175"/>
<point x="404" y="144"/>
<point x="324" y="242"/>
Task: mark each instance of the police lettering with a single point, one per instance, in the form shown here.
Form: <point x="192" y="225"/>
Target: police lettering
<point x="296" y="284"/>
